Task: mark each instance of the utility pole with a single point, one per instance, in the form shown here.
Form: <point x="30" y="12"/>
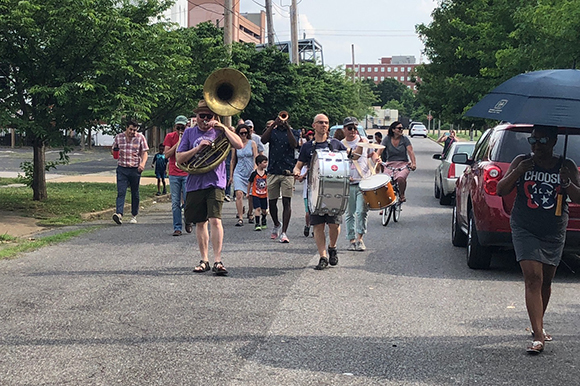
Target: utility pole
<point x="353" y="73"/>
<point x="269" y="22"/>
<point x="294" y="32"/>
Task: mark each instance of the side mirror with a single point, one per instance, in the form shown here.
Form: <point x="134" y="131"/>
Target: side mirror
<point x="437" y="156"/>
<point x="462" y="159"/>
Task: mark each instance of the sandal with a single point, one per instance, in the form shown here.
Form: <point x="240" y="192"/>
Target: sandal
<point x="547" y="337"/>
<point x="219" y="269"/>
<point x="240" y="222"/>
<point x="536" y="347"/>
<point x="203" y="266"/>
<point x="250" y="219"/>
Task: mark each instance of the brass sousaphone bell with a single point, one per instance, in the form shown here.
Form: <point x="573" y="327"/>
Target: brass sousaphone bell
<point x="226" y="92"/>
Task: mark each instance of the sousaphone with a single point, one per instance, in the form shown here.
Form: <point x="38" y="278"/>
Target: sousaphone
<point x="226" y="92"/>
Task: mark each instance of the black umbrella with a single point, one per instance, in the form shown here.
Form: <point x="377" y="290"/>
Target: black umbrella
<point x="548" y="97"/>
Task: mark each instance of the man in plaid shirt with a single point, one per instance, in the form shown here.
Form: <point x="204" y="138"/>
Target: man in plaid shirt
<point x="132" y="148"/>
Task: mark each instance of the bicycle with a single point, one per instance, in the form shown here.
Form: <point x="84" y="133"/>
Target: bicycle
<point x="393" y="211"/>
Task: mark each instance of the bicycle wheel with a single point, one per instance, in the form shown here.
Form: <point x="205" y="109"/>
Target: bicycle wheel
<point x="397" y="211"/>
<point x="387" y="213"/>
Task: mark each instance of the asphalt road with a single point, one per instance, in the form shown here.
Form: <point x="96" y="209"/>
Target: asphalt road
<point x="121" y="306"/>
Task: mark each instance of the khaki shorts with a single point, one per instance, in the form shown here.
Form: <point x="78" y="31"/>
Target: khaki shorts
<point x="280" y="184"/>
<point x="203" y="204"/>
<point x="316" y="219"/>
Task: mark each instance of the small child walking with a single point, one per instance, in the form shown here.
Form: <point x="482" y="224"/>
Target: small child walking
<point x="258" y="189"/>
<point x="160" y="165"/>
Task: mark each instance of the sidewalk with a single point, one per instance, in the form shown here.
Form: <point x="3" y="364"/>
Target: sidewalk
<point x="19" y="226"/>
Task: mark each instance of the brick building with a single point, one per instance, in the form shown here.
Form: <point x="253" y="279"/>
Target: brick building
<point x="401" y="68"/>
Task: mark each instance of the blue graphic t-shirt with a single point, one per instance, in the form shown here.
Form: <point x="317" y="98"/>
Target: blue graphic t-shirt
<point x="281" y="154"/>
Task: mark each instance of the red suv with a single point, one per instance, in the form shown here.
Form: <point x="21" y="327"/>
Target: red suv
<point x="480" y="216"/>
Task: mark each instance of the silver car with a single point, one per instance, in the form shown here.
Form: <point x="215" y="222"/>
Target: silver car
<point x="447" y="172"/>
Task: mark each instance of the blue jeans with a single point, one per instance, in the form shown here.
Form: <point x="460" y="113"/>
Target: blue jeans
<point x="128" y="177"/>
<point x="356" y="214"/>
<point x="177" y="188"/>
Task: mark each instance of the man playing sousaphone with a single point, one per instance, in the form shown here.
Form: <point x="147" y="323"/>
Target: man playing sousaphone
<point x="356" y="214"/>
<point x="206" y="191"/>
<point x="321" y="141"/>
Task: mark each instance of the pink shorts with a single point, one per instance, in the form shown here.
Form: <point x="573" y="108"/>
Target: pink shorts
<point x="398" y="164"/>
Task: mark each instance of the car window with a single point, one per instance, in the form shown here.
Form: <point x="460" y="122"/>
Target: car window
<point x="464" y="148"/>
<point x="514" y="143"/>
<point x="481" y="146"/>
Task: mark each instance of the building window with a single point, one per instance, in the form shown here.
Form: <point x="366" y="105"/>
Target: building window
<point x="356" y="69"/>
<point x="382" y="78"/>
<point x="388" y="69"/>
<point x="396" y="69"/>
<point x="408" y="86"/>
<point x="376" y="78"/>
<point x="376" y="69"/>
<point x="408" y="69"/>
<point x="382" y="69"/>
<point x="402" y="78"/>
<point x="363" y="69"/>
<point x="370" y="69"/>
<point x="368" y="77"/>
<point x="408" y="79"/>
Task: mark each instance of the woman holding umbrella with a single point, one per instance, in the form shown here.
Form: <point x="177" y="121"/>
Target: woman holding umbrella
<point x="538" y="232"/>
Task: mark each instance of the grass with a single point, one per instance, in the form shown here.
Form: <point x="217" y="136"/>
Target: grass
<point x="9" y="181"/>
<point x="66" y="201"/>
<point x="12" y="246"/>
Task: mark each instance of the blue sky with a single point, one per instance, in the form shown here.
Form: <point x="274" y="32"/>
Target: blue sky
<point x="377" y="28"/>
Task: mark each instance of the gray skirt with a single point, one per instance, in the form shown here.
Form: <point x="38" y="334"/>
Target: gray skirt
<point x="528" y="246"/>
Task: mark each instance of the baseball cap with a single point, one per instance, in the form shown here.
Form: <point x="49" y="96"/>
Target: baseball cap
<point x="181" y="120"/>
<point x="249" y="123"/>
<point x="350" y="121"/>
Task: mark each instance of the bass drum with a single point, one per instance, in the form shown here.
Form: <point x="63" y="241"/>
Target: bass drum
<point x="378" y="191"/>
<point x="328" y="182"/>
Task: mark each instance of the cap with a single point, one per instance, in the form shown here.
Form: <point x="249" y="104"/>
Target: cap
<point x="181" y="120"/>
<point x="350" y="121"/>
<point x="249" y="123"/>
<point x="310" y="132"/>
<point x="202" y="106"/>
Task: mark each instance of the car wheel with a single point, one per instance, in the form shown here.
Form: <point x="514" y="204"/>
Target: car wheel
<point x="444" y="199"/>
<point x="436" y="190"/>
<point x="458" y="238"/>
<point x="478" y="256"/>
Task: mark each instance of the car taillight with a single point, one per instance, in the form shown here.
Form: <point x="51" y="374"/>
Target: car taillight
<point x="491" y="176"/>
<point x="451" y="172"/>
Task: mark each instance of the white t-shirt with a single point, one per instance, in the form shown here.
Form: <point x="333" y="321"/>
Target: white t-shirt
<point x="362" y="161"/>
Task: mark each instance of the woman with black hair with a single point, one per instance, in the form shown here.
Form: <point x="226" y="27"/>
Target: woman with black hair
<point x="399" y="154"/>
<point x="538" y="232"/>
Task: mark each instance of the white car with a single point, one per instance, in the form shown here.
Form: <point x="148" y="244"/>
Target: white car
<point x="447" y="172"/>
<point x="418" y="129"/>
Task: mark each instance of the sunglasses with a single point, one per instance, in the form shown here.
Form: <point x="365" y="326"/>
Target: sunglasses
<point x="205" y="116"/>
<point x="534" y="140"/>
<point x="350" y="128"/>
<point x="399" y="127"/>
<point x="243" y="133"/>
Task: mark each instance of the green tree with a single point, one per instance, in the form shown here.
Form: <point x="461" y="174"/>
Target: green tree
<point x="71" y="61"/>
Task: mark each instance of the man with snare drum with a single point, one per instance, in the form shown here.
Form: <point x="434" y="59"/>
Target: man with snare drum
<point x="321" y="141"/>
<point x="356" y="214"/>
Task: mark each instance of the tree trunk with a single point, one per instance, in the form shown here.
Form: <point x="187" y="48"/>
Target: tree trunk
<point x="39" y="175"/>
<point x="90" y="138"/>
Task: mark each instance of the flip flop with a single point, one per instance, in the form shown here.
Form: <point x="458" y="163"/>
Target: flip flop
<point x="536" y="347"/>
<point x="547" y="337"/>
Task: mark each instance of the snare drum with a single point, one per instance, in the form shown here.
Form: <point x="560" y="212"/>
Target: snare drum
<point x="378" y="191"/>
<point x="328" y="182"/>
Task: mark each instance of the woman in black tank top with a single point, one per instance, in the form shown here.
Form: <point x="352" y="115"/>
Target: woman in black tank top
<point x="538" y="233"/>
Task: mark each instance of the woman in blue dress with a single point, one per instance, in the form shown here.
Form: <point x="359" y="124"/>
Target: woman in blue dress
<point x="242" y="165"/>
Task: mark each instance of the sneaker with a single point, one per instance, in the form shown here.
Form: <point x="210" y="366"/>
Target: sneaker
<point x="165" y="192"/>
<point x="264" y="223"/>
<point x="284" y="238"/>
<point x="158" y="194"/>
<point x="360" y="246"/>
<point x="227" y="198"/>
<point x="118" y="218"/>
<point x="332" y="256"/>
<point x="133" y="220"/>
<point x="306" y="230"/>
<point x="258" y="227"/>
<point x="276" y="232"/>
<point x="322" y="263"/>
<point x="352" y="246"/>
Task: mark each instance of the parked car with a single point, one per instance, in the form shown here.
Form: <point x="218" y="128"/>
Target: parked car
<point x="361" y="131"/>
<point x="418" y="129"/>
<point x="447" y="172"/>
<point x="480" y="217"/>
